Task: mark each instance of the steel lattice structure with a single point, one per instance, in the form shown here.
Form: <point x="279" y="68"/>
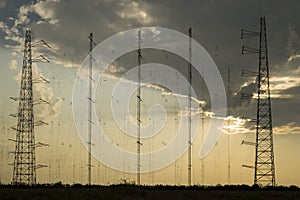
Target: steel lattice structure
<point x="264" y="153"/>
<point x="24" y="162"/>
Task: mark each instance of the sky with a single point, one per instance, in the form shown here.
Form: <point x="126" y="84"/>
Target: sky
<point x="216" y="25"/>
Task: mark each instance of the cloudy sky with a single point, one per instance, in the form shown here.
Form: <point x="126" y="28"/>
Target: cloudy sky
<point x="65" y="26"/>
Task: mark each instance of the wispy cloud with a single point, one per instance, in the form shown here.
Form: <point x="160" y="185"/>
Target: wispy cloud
<point x="289" y="128"/>
<point x="13" y="64"/>
<point x="293" y="56"/>
<point x="236" y="125"/>
<point x="135" y="10"/>
<point x="280" y="84"/>
<point x="45" y="9"/>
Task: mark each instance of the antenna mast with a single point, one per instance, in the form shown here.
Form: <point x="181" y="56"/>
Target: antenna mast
<point x="202" y="160"/>
<point x="228" y="127"/>
<point x="90" y="109"/>
<point x="264" y="154"/>
<point x="24" y="162"/>
<point x="139" y="110"/>
<point x="24" y="172"/>
<point x="189" y="111"/>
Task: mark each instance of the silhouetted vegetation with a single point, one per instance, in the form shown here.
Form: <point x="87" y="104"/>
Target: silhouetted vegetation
<point x="242" y="187"/>
<point x="130" y="191"/>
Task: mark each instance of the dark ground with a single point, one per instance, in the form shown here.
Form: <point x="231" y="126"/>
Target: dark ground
<point x="131" y="192"/>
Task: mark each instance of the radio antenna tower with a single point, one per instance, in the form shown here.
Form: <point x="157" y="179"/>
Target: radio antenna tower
<point x="24" y="162"/>
<point x="203" y="132"/>
<point x="228" y="128"/>
<point x="138" y="143"/>
<point x="24" y="172"/>
<point x="189" y="111"/>
<point x="90" y="101"/>
<point x="264" y="169"/>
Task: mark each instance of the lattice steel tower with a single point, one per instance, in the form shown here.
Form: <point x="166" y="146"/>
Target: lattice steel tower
<point x="24" y="162"/>
<point x="264" y="154"/>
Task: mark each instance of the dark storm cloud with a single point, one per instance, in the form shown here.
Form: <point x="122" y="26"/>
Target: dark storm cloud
<point x="78" y="18"/>
<point x="216" y="25"/>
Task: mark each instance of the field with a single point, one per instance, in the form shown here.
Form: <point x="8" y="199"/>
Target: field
<point x="124" y="192"/>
